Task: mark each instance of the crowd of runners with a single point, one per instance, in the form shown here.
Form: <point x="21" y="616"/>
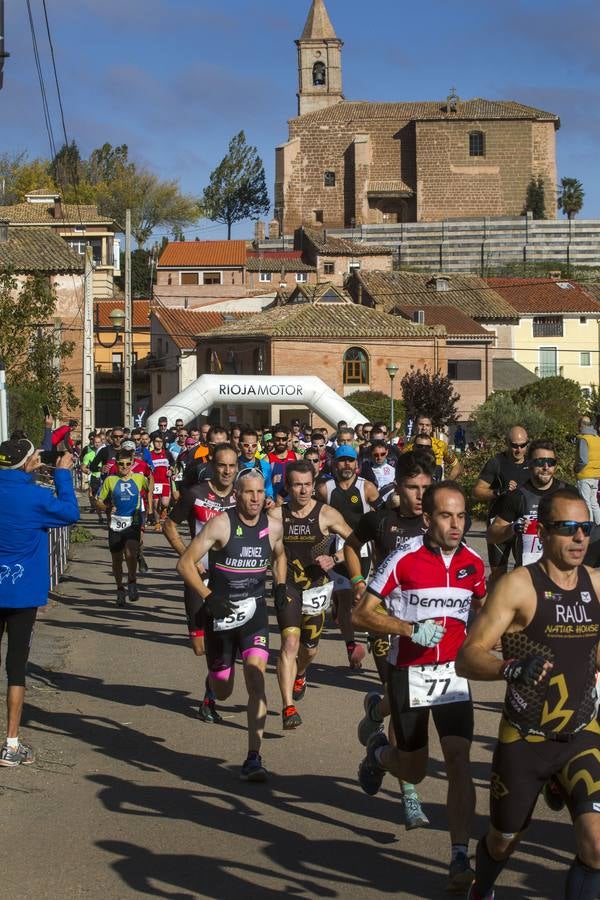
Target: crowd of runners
<point x="368" y="532"/>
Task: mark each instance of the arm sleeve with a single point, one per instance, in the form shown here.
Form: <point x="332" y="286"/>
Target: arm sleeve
<point x="60" y="508"/>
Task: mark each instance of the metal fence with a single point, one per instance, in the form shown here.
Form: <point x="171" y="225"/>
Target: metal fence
<point x="58" y="551"/>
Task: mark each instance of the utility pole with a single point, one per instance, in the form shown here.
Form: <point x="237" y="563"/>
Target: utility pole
<point x="127" y="334"/>
<point x="3" y="404"/>
<point x="3" y="54"/>
<point x="88" y="404"/>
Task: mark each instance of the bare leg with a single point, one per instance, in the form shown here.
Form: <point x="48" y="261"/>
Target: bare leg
<point x="286" y="663"/>
<point x="254" y="673"/>
<point x="131" y="558"/>
<point x="15" y="697"/>
<point x="117" y="567"/>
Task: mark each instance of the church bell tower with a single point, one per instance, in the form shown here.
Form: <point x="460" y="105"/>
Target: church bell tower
<point x="319" y="62"/>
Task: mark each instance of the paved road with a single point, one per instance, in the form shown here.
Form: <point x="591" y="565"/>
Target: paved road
<point x="132" y="796"/>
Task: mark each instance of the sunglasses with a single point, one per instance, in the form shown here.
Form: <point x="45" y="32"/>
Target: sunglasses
<point x="516" y="446"/>
<point x="568" y="527"/>
<point x="543" y="461"/>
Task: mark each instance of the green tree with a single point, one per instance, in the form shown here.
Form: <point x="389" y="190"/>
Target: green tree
<point x="570" y="196"/>
<point x="18" y="176"/>
<point x="535" y="200"/>
<point x="143" y="274"/>
<point x="492" y="420"/>
<point x="237" y="188"/>
<point x="375" y="406"/>
<point x="560" y="399"/>
<point x="32" y="354"/>
<point x="427" y="394"/>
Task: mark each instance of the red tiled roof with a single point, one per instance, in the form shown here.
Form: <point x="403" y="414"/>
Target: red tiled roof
<point x="454" y="321"/>
<point x="544" y="295"/>
<point x="184" y="325"/>
<point x="274" y="254"/>
<point x="203" y="253"/>
<point x="140" y="312"/>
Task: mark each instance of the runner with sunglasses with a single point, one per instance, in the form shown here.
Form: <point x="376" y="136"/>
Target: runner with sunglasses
<point x="547" y="616"/>
<point x="501" y="475"/>
<point x="516" y="512"/>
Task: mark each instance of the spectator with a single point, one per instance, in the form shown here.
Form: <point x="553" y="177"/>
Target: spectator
<point x="587" y="466"/>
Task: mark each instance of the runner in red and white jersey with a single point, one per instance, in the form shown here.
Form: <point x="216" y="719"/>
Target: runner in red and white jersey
<point x="428" y="588"/>
<point x="163" y="463"/>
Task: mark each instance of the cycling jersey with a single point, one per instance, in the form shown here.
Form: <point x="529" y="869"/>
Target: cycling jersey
<point x="125" y="493"/>
<point x="421" y="583"/>
<point x="278" y="467"/>
<point x="162" y="462"/>
<point x="524" y="502"/>
<point x="388" y="530"/>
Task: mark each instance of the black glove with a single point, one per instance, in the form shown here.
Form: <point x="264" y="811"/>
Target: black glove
<point x="520" y="525"/>
<point x="280" y="596"/>
<point x="218" y="607"/>
<point x="523" y="671"/>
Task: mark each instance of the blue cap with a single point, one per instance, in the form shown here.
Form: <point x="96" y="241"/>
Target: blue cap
<point x="346" y="451"/>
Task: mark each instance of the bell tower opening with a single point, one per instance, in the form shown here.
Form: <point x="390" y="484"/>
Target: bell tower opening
<point x="319" y="62"/>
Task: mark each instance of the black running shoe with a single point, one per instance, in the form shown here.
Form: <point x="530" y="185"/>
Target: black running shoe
<point x="207" y="711"/>
<point x="299" y="688"/>
<point x="291" y="718"/>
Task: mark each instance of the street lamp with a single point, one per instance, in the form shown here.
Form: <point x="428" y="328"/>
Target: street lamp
<point x="117" y="318"/>
<point x="391" y="369"/>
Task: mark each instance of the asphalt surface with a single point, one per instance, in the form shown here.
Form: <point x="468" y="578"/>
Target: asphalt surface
<point x="132" y="796"/>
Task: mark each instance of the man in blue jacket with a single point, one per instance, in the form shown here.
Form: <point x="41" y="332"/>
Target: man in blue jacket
<point x="27" y="511"/>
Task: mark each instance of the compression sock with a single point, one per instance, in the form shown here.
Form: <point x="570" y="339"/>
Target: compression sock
<point x="407" y="787"/>
<point x="13" y="743"/>
<point x="459" y="848"/>
<point x="583" y="883"/>
<point x="487" y="869"/>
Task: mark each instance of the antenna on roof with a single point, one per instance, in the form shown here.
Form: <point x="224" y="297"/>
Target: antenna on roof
<point x="452" y="101"/>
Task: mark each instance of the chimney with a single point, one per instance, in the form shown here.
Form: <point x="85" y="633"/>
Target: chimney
<point x="3" y="231"/>
<point x="259" y="230"/>
<point x="58" y="210"/>
<point x="274" y="230"/>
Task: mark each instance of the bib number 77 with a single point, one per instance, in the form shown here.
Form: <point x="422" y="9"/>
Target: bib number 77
<point x="435" y="685"/>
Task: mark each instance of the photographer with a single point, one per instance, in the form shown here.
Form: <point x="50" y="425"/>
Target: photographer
<point x="27" y="511"/>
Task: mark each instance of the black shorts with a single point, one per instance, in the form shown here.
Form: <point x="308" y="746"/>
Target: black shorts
<point x="222" y="647"/>
<point x="195" y="613"/>
<point x="118" y="539"/>
<point x="291" y="616"/>
<point x="95" y="482"/>
<point x="411" y="726"/>
<point x="498" y="554"/>
<point x="521" y="767"/>
<point x="18" y="624"/>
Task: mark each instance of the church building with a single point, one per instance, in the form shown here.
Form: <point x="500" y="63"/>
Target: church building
<point x="348" y="163"/>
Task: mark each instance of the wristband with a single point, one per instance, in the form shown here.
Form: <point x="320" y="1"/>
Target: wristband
<point x="357" y="579"/>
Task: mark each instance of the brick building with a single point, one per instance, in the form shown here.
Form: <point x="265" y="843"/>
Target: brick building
<point x="348" y="163"/>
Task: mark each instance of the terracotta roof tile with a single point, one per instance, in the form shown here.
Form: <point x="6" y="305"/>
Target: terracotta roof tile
<point x="140" y="312"/>
<point x="184" y="326"/>
<point x="388" y="188"/>
<point x="29" y="250"/>
<point x="467" y="293"/>
<point x="545" y="295"/>
<point x="310" y="320"/>
<point x="456" y="323"/>
<point x="349" y="112"/>
<point x="288" y="264"/>
<point x="329" y="245"/>
<point x="40" y="214"/>
<point x="203" y="253"/>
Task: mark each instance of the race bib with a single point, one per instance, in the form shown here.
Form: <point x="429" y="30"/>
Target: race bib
<point x="120" y="523"/>
<point x="317" y="599"/>
<point x="158" y="489"/>
<point x="532" y="547"/>
<point x="436" y="684"/>
<point x="244" y="610"/>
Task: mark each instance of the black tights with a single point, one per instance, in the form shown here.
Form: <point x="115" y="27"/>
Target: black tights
<point x="18" y="624"/>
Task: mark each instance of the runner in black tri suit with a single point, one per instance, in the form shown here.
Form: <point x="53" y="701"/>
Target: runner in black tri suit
<point x="391" y="530"/>
<point x="239" y="545"/>
<point x="548" y="617"/>
<point x="352" y="496"/>
<point x="198" y="504"/>
<point x="304" y="592"/>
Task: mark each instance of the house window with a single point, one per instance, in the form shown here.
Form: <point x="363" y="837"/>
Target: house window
<point x="464" y="369"/>
<point x="117" y="362"/>
<point x="319" y="74"/>
<point x="585" y="358"/>
<point x="211" y="278"/>
<point x="548" y="362"/>
<point x="318" y="216"/>
<point x="329" y="179"/>
<point x="301" y="277"/>
<point x="547" y="326"/>
<point x="329" y="268"/>
<point x="356" y="366"/>
<point x="353" y="266"/>
<point x="264" y="276"/>
<point x="476" y="143"/>
<point x="582" y="320"/>
<point x="189" y="278"/>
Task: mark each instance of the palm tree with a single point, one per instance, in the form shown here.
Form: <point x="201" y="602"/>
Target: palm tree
<point x="570" y="196"/>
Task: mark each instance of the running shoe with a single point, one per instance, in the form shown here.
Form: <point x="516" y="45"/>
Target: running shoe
<point x="553" y="794"/>
<point x="299" y="687"/>
<point x="291" y="718"/>
<point x="253" y="769"/>
<point x="414" y="817"/>
<point x="22" y="756"/>
<point x="142" y="564"/>
<point x="356" y="654"/>
<point x="473" y="895"/>
<point x="132" y="591"/>
<point x="370" y="773"/>
<point x="121" y="596"/>
<point x="368" y="725"/>
<point x="207" y="712"/>
<point x="460" y="874"/>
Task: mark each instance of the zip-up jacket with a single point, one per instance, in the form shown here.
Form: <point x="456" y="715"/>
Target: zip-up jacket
<point x="27" y="511"/>
<point x="419" y="583"/>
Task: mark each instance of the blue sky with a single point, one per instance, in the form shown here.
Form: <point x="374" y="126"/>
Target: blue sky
<point x="175" y="79"/>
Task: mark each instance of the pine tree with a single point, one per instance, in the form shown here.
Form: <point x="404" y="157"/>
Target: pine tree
<point x="237" y="188"/>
